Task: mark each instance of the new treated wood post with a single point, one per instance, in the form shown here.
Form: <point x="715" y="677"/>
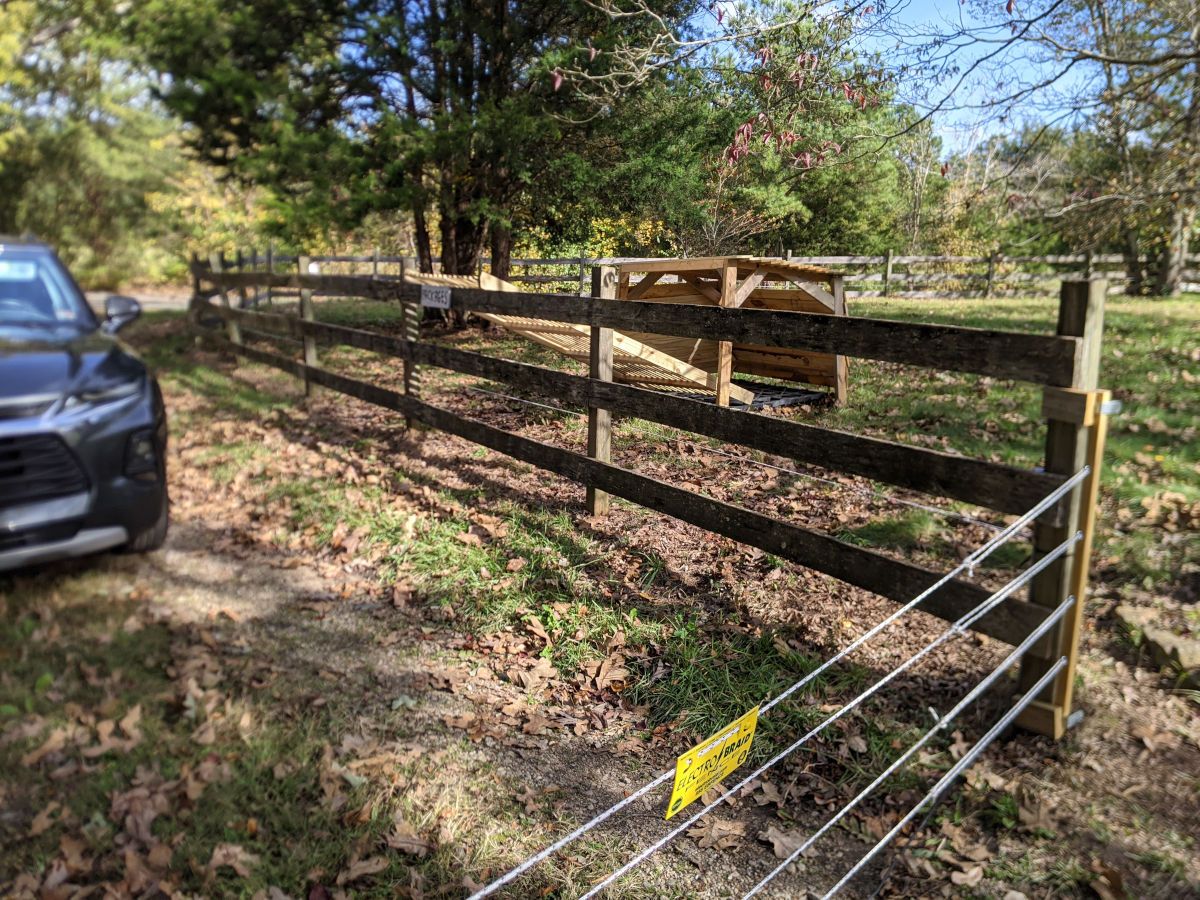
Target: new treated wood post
<point x="841" y="366"/>
<point x="887" y="272"/>
<point x="1074" y="438"/>
<point x="217" y="267"/>
<point x="600" y="367"/>
<point x="307" y="313"/>
<point x="729" y="285"/>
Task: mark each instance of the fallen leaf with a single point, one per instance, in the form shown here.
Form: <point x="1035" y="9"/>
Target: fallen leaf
<point x="372" y="865"/>
<point x="235" y="857"/>
<point x="969" y="878"/>
<point x="1110" y="883"/>
<point x="44" y="820"/>
<point x="129" y="724"/>
<point x="531" y="679"/>
<point x="783" y="843"/>
<point x="406" y="840"/>
<point x="717" y="834"/>
<point x="56" y="740"/>
<point x="768" y="793"/>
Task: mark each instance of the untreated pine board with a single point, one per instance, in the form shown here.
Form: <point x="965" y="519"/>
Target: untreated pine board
<point x="1002" y="488"/>
<point x="899" y="581"/>
<point x="1041" y="359"/>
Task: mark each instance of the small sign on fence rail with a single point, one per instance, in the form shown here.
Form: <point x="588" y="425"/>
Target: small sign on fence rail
<point x="435" y="296"/>
<point x="711" y="760"/>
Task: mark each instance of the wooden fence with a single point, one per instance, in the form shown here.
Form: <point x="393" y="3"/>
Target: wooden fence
<point x="890" y="275"/>
<point x="1065" y="364"/>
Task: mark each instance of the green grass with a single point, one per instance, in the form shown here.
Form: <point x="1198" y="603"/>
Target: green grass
<point x="1150" y="364"/>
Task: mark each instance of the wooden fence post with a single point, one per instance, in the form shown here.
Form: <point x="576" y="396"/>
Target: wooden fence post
<point x="841" y="365"/>
<point x="991" y="273"/>
<point x="887" y="272"/>
<point x="1089" y="265"/>
<point x="1074" y="438"/>
<point x="375" y="263"/>
<point x="583" y="281"/>
<point x="600" y="367"/>
<point x="270" y="271"/>
<point x="725" y="348"/>
<point x="254" y="268"/>
<point x="216" y="266"/>
<point x="308" y="314"/>
<point x="410" y="324"/>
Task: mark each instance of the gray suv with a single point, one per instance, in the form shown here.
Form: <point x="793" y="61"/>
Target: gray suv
<point x="83" y="431"/>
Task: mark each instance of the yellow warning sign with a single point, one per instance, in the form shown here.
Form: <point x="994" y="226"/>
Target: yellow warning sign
<point x="711" y="760"/>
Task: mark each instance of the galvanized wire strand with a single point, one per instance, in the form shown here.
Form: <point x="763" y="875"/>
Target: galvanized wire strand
<point x="908" y="754"/>
<point x="967" y="564"/>
<point x="958" y="628"/>
<point x="943" y="784"/>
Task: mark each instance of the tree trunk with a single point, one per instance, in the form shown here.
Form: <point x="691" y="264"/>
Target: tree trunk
<point x="1134" y="279"/>
<point x="1174" y="254"/>
<point x="421" y="227"/>
<point x="501" y="250"/>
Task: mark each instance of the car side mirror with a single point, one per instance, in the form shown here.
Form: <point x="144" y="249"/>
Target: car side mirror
<point x="120" y="311"/>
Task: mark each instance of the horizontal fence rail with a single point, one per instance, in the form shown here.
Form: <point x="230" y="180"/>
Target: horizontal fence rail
<point x="1041" y="359"/>
<point x="896" y="275"/>
<point x="998" y="487"/>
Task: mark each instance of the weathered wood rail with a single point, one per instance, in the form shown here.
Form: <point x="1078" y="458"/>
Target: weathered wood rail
<point x="888" y="275"/>
<point x="1064" y="363"/>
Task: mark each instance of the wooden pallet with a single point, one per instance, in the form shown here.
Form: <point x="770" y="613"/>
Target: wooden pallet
<point x="750" y="281"/>
<point x="671" y="363"/>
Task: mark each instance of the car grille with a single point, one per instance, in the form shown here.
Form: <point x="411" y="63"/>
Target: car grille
<point x="37" y="467"/>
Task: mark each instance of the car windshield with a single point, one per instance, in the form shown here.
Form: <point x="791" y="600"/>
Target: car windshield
<point x="36" y="292"/>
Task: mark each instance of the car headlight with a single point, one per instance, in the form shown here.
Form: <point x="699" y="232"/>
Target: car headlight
<point x="141" y="453"/>
<point x="98" y="396"/>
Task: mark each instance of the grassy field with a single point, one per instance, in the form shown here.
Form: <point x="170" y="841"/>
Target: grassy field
<point x="207" y="721"/>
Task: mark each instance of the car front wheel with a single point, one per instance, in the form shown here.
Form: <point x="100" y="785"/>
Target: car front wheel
<point x="154" y="536"/>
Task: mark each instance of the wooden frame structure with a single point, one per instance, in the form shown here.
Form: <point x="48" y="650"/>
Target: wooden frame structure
<point x="750" y="282"/>
<point x="1065" y="364"/>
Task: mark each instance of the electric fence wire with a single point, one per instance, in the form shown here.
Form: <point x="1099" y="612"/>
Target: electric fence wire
<point x="967" y="565"/>
<point x="921" y="742"/>
<point x="938" y="790"/>
<point x="957" y="629"/>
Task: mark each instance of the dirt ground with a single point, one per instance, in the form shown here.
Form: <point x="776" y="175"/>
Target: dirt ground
<point x="481" y="739"/>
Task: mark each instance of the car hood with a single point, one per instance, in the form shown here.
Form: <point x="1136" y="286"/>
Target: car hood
<point x="35" y="362"/>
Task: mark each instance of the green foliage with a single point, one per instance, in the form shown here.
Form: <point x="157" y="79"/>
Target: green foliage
<point x="89" y="161"/>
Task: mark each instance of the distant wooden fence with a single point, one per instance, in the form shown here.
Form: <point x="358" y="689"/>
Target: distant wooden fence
<point x="1065" y="363"/>
<point x="890" y="275"/>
